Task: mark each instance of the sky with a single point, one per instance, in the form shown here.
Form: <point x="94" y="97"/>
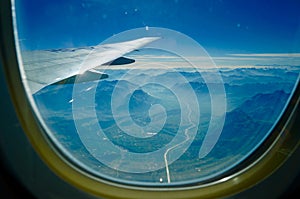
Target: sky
<point x="222" y="27"/>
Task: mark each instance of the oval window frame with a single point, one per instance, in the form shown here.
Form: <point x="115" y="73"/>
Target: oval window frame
<point x="280" y="145"/>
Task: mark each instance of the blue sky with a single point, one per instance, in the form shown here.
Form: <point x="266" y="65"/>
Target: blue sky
<point x="220" y="26"/>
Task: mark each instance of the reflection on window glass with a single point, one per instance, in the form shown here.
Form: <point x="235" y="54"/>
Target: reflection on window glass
<point x="159" y="93"/>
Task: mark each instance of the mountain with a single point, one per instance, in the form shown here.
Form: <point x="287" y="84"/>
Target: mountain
<point x="139" y="105"/>
<point x="265" y="107"/>
<point x="247" y="125"/>
<point x="240" y="76"/>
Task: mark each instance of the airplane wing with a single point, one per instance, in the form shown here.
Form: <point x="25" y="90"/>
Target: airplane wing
<point x="60" y="66"/>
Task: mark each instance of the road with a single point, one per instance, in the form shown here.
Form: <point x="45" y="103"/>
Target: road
<point x="173" y="147"/>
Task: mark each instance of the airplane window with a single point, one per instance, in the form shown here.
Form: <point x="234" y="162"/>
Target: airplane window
<point x="160" y="93"/>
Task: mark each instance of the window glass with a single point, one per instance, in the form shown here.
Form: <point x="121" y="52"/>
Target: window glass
<point x="158" y="93"/>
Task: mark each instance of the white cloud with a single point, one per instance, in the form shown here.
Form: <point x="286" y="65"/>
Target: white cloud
<point x="266" y="55"/>
<point x="205" y="62"/>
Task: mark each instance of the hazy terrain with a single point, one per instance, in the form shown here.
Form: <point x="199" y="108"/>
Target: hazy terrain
<point x="255" y="98"/>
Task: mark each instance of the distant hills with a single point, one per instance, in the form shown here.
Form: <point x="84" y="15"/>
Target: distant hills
<point x="247" y="125"/>
<point x="265" y="106"/>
